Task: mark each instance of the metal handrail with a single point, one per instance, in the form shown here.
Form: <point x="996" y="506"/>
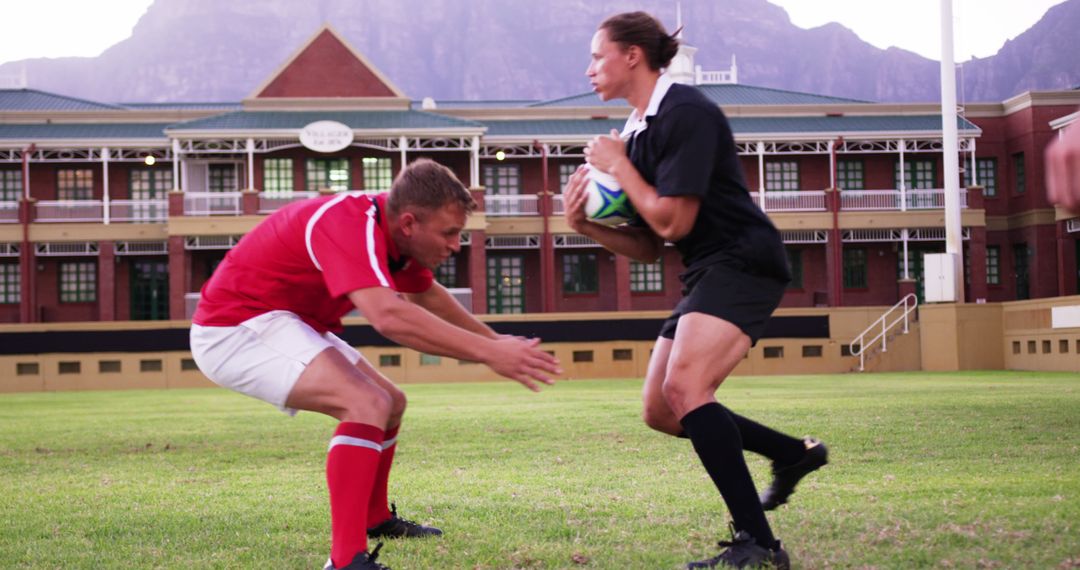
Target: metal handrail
<point x="909" y="303"/>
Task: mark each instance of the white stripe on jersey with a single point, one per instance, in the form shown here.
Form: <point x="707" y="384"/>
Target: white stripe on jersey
<point x="372" y="258"/>
<point x="314" y="218"/>
<point x="389" y="443"/>
<point x="358" y="442"/>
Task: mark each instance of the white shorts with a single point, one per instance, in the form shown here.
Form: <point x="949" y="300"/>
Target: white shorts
<point x="264" y="356"/>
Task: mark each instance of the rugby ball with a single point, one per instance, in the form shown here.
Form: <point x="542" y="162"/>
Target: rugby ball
<point x="606" y="203"/>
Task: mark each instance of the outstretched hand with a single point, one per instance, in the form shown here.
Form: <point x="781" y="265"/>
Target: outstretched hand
<point x="522" y="360"/>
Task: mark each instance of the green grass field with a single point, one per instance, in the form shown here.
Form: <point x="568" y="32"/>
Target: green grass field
<point x="928" y="471"/>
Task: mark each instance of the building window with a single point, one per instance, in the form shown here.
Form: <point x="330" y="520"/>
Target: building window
<point x="918" y="174"/>
<point x="622" y="354"/>
<point x="580" y="273"/>
<point x="78" y="282"/>
<point x="446" y="272"/>
<point x="582" y="356"/>
<point x="430" y="360"/>
<point x="1020" y="271"/>
<point x="773" y="352"/>
<point x="11" y="187"/>
<point x="993" y="265"/>
<point x="277" y="176"/>
<point x="10" y="279"/>
<point x="150" y="183"/>
<point x="74" y="184"/>
<point x="378" y="173"/>
<point x="854" y="268"/>
<point x="849" y="175"/>
<point x="329" y="173"/>
<point x="646" y="277"/>
<point x="1018" y="169"/>
<point x="502" y="179"/>
<point x="986" y="171"/>
<point x="389" y="360"/>
<point x="565" y="170"/>
<point x="506" y="283"/>
<point x="222" y="178"/>
<point x="781" y="176"/>
<point x="794" y="257"/>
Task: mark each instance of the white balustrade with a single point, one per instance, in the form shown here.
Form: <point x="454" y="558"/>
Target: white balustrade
<point x="272" y="201"/>
<point x="148" y="211"/>
<point x="869" y="199"/>
<point x="9" y="212"/>
<point x="797" y="201"/>
<point x="922" y="199"/>
<point x="558" y="206"/>
<point x="512" y="205"/>
<point x="69" y="211"/>
<point x="212" y="203"/>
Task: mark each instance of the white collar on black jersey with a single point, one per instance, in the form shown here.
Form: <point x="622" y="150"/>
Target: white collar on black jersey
<point x="635" y="124"/>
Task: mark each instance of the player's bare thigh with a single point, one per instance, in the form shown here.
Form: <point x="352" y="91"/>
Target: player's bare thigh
<point x="332" y="385"/>
<point x="704" y="352"/>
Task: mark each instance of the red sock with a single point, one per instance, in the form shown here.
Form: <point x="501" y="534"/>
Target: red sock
<point x="351" y="464"/>
<point x="378" y="510"/>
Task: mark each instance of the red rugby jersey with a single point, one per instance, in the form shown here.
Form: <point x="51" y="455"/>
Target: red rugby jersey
<point x="306" y="258"/>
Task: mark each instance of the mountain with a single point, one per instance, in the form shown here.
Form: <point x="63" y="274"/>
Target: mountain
<point x="209" y="50"/>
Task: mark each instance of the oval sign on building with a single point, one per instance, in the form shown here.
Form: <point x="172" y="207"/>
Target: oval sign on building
<point x="326" y="136"/>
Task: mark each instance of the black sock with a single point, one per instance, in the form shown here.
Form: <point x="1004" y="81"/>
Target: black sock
<point x="781" y="448"/>
<point x="717" y="442"/>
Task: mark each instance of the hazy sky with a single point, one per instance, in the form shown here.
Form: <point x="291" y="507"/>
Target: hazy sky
<point x="58" y="28"/>
<point x="980" y="27"/>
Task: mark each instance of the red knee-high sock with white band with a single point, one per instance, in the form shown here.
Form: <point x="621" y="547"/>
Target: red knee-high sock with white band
<point x="351" y="465"/>
<point x="378" y="507"/>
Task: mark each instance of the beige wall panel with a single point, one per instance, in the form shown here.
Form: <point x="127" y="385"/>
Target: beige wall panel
<point x="97" y="232"/>
<point x="208" y="226"/>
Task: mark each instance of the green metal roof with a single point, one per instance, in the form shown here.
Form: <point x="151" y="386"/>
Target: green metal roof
<point x="103" y="131"/>
<point x="474" y="104"/>
<point x="588" y="99"/>
<point x="553" y="127"/>
<point x="740" y="125"/>
<point x="197" y="106"/>
<point x="34" y="100"/>
<point x="733" y="94"/>
<point x="844" y="124"/>
<point x="727" y="94"/>
<point x="374" y="120"/>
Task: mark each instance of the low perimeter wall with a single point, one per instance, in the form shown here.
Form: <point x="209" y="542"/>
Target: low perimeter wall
<point x="124" y="355"/>
<point x="1019" y="335"/>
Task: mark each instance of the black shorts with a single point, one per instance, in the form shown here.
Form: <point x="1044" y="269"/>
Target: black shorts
<point x="744" y="300"/>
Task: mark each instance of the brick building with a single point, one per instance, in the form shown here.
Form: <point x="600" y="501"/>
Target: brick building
<point x="122" y="211"/>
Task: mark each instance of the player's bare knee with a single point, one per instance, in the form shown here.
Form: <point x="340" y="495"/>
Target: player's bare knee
<point x="371" y="405"/>
<point x="678" y="392"/>
<point x="398" y="403"/>
<point x="659" y="419"/>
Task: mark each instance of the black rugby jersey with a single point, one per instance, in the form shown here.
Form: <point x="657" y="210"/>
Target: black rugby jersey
<point x="688" y="150"/>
